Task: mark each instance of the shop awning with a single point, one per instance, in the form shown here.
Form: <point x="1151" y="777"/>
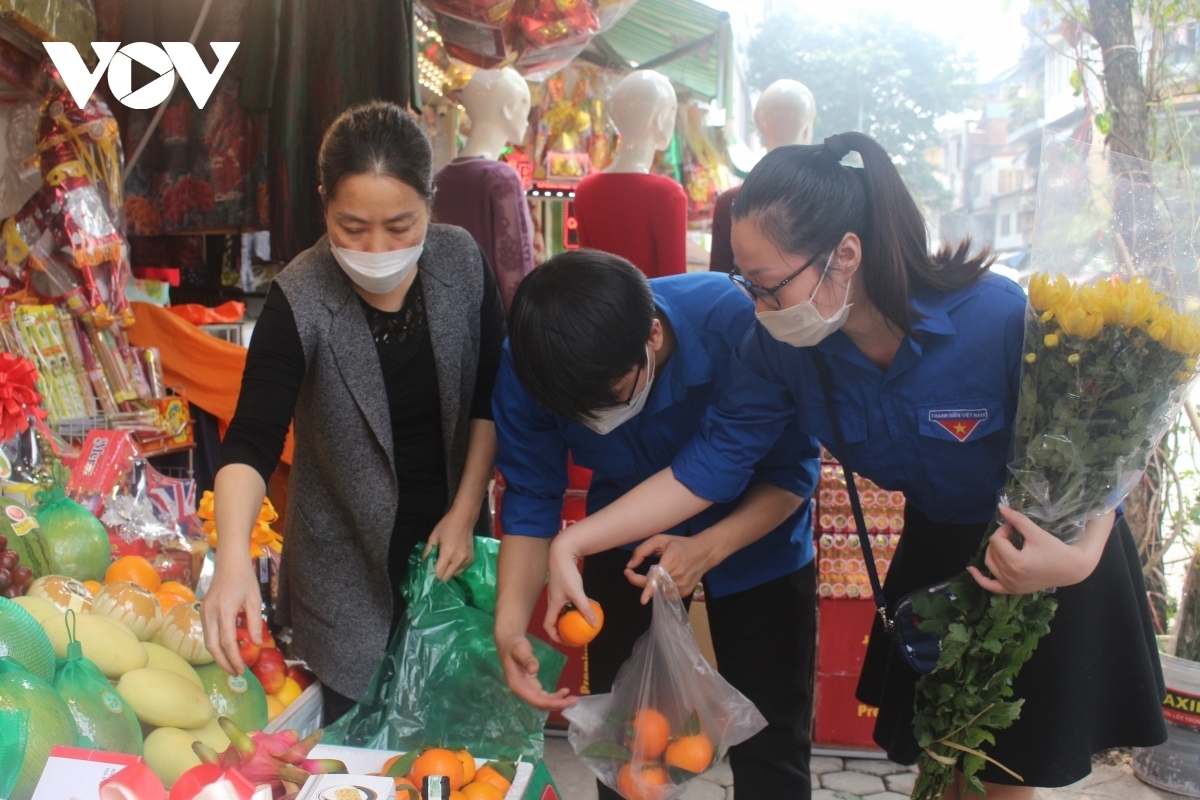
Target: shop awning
<point x="685" y="40"/>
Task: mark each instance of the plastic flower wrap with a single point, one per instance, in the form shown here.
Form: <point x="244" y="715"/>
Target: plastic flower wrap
<point x="262" y="537"/>
<point x="1111" y="345"/>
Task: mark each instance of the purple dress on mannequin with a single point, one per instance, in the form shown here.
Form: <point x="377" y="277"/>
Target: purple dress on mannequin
<point x="486" y="197"/>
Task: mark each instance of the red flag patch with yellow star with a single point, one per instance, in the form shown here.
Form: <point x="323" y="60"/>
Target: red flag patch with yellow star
<point x="959" y="422"/>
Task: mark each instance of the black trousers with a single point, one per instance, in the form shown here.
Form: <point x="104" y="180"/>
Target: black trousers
<point x="765" y="643"/>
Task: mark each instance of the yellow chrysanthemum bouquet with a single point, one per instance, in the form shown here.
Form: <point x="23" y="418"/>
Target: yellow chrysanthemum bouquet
<point x="262" y="538"/>
<point x="1110" y="352"/>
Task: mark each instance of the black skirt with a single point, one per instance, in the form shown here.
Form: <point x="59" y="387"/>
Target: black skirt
<point x="1094" y="682"/>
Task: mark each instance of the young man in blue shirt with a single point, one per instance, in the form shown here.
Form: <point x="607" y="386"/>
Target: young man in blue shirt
<point x="619" y="372"/>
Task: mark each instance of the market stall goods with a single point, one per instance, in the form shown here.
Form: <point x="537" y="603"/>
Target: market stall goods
<point x="63" y="592"/>
<point x="107" y="644"/>
<point x="77" y="543"/>
<point x="133" y="606"/>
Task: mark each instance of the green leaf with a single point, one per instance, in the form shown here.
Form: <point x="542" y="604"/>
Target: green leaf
<point x="693" y="724"/>
<point x="680" y="776"/>
<point x="610" y="750"/>
<point x="1076" y="82"/>
<point x="404" y="765"/>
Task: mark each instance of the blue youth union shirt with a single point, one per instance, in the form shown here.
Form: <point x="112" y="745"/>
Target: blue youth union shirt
<point x="936" y="425"/>
<point x="709" y="317"/>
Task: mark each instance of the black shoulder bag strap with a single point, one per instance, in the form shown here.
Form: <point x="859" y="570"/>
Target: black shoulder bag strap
<point x="864" y="539"/>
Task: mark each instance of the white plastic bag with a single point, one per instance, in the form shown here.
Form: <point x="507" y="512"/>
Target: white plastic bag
<point x="669" y="717"/>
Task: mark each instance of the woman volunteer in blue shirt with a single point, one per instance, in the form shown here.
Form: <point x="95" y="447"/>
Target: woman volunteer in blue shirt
<point x="925" y="354"/>
<point x="619" y="371"/>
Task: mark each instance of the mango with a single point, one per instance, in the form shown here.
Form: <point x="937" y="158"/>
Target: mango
<point x="168" y="753"/>
<point x="165" y="699"/>
<point x="162" y="658"/>
<point x="109" y="645"/>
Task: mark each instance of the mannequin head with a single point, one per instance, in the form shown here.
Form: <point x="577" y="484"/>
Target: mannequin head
<point x="784" y="114"/>
<point x="642" y="109"/>
<point x="497" y="101"/>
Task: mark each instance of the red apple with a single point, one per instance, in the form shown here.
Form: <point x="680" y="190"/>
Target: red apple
<point x="270" y="670"/>
<point x="247" y="649"/>
<point x="301" y="675"/>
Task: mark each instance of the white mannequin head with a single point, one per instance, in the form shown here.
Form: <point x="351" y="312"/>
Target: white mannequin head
<point x="497" y="101"/>
<point x="642" y="109"/>
<point x="784" y="114"/>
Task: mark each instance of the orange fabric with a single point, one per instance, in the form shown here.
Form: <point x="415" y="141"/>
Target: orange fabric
<point x="210" y="369"/>
<point x="224" y="314"/>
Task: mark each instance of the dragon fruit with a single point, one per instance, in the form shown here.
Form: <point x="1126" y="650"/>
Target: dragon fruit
<point x="279" y="760"/>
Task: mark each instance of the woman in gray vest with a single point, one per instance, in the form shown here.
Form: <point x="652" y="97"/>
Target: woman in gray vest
<point x="381" y="343"/>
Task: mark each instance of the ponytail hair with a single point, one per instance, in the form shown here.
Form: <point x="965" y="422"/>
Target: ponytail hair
<point x="805" y="201"/>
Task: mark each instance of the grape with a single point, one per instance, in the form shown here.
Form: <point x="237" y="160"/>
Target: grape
<point x="11" y="593"/>
<point x="5" y="578"/>
<point x="22" y="575"/>
<point x="9" y="559"/>
<point x="3" y="542"/>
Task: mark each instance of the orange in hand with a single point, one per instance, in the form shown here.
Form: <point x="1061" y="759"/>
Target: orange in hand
<point x="134" y="569"/>
<point x="438" y="761"/>
<point x="574" y="630"/>
<point x="641" y="784"/>
<point x="649" y="735"/>
<point x="690" y="753"/>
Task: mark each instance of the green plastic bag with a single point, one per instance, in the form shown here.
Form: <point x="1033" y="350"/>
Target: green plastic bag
<point x="440" y="683"/>
<point x="14" y="732"/>
<point x="23" y="640"/>
<point x="104" y="720"/>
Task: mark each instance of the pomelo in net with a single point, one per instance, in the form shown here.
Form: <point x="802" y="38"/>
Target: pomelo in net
<point x="23" y="640"/>
<point x="75" y="540"/>
<point x="50" y="722"/>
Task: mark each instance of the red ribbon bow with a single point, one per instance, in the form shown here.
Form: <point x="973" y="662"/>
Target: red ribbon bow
<point x="18" y="397"/>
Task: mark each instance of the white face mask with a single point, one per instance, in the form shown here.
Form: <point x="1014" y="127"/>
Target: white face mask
<point x="802" y="325"/>
<point x="609" y="419"/>
<point x="377" y="273"/>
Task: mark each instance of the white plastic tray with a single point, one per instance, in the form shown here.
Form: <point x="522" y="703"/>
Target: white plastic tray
<point x="361" y="762"/>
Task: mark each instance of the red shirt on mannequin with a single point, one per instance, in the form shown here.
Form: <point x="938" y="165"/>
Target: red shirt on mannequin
<point x="640" y="217"/>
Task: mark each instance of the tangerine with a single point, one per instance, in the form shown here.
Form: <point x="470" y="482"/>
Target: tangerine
<point x="644" y="784"/>
<point x="274" y="707"/>
<point x="468" y="762"/>
<point x="457" y="795"/>
<point x="650" y="735"/>
<point x="438" y="761"/>
<point x="93" y="586"/>
<point x="404" y="788"/>
<point x="691" y="753"/>
<point x="574" y="630"/>
<point x="169" y="599"/>
<point x="391" y="762"/>
<point x="482" y="791"/>
<point x="134" y="569"/>
<point x="181" y="589"/>
<point x="290" y="691"/>
<point x="488" y="774"/>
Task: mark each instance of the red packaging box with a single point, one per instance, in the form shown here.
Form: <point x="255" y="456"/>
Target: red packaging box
<point x="841" y="719"/>
<point x="842" y="638"/>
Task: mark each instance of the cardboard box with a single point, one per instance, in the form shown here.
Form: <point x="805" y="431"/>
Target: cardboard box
<point x="348" y="787"/>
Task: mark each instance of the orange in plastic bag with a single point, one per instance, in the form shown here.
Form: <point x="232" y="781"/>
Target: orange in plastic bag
<point x="670" y="715"/>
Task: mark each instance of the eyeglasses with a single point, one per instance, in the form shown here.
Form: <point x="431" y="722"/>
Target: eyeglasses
<point x="633" y="389"/>
<point x="756" y="292"/>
